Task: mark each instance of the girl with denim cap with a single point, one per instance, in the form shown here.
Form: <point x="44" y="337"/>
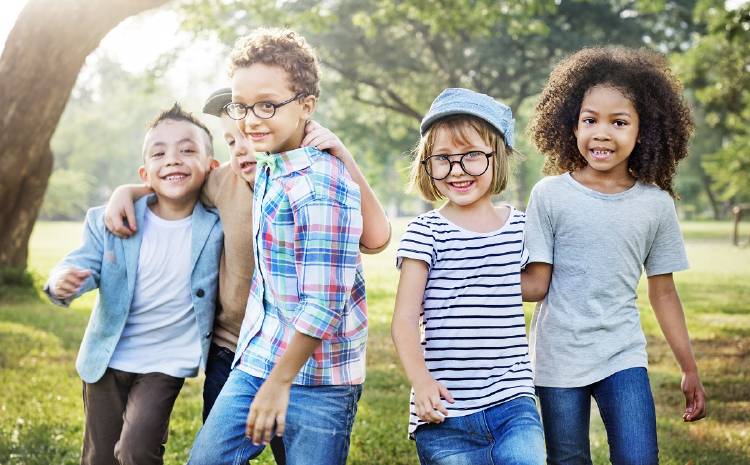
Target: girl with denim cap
<point x="458" y="324"/>
<point x="612" y="124"/>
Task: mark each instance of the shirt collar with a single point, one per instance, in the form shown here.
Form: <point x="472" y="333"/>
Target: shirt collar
<point x="288" y="162"/>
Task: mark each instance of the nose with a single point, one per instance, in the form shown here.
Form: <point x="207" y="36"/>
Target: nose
<point x="456" y="165"/>
<point x="602" y="132"/>
<point x="172" y="157"/>
<point x="248" y="121"/>
<point x="242" y="146"/>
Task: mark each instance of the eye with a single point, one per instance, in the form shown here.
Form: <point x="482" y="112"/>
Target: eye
<point x="473" y="155"/>
<point x="157" y="154"/>
<point x="230" y="142"/>
<point x="439" y="158"/>
<point x="620" y="123"/>
<point x="588" y="120"/>
<point x="265" y="106"/>
<point x="188" y="150"/>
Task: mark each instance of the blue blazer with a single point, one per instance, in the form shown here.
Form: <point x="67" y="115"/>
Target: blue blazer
<point x="113" y="263"/>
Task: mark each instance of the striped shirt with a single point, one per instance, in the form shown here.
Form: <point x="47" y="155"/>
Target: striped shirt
<point x="473" y="327"/>
<point x="308" y="273"/>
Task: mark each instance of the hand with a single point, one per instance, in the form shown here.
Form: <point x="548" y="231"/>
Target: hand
<point x="268" y="408"/>
<point x="119" y="216"/>
<point x="323" y="139"/>
<point x="427" y="401"/>
<point x="695" y="397"/>
<point x="70" y="282"/>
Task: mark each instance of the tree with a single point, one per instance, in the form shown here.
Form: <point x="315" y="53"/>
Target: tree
<point x="717" y="70"/>
<point x="390" y="58"/>
<point x="40" y="63"/>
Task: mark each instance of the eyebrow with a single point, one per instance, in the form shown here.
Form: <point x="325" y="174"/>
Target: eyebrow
<point x="617" y="113"/>
<point x="181" y="141"/>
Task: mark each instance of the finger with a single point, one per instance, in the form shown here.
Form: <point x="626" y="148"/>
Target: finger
<point x="130" y="214"/>
<point x="268" y="428"/>
<point x="82" y="274"/>
<point x="65" y="287"/>
<point x="313" y="140"/>
<point x="280" y="424"/>
<point x="699" y="406"/>
<point x="445" y="393"/>
<point x="250" y="426"/>
<point x="259" y="429"/>
<point x="437" y="404"/>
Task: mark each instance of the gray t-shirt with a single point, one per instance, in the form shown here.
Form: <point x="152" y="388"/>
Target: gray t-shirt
<point x="588" y="326"/>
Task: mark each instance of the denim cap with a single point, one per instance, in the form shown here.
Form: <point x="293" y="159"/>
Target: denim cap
<point x="458" y="101"/>
<point x="215" y="102"/>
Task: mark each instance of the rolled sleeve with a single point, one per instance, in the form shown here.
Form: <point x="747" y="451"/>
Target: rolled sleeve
<point x="326" y="247"/>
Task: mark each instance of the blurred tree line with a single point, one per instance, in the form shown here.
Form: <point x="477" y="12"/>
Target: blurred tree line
<point x="385" y="60"/>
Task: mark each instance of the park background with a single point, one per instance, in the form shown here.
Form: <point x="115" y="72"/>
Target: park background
<point x="79" y="80"/>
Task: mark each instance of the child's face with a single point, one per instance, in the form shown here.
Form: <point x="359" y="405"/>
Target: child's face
<point x="263" y="83"/>
<point x="607" y="130"/>
<point x="242" y="155"/>
<point x="460" y="188"/>
<point x="175" y="160"/>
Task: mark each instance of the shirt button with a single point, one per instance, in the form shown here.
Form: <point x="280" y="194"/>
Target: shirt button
<point x="208" y="334"/>
<point x="200" y="293"/>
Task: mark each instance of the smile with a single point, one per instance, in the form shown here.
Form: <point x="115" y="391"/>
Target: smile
<point x="247" y="166"/>
<point x="600" y="154"/>
<point x="175" y="178"/>
<point x="257" y="136"/>
<point x="461" y="186"/>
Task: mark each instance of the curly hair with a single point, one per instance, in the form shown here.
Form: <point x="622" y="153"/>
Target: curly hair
<point x="279" y="47"/>
<point x="665" y="122"/>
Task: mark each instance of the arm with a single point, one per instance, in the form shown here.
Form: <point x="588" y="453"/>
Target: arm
<point x="119" y="216"/>
<point x="405" y="335"/>
<point x="535" y="280"/>
<point x="376" y="229"/>
<point x="80" y="270"/>
<point x="270" y="403"/>
<point x="668" y="309"/>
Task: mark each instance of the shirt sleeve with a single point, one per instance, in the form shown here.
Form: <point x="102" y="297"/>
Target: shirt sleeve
<point x="667" y="252"/>
<point x="539" y="237"/>
<point x="87" y="257"/>
<point x="326" y="247"/>
<point x="417" y="243"/>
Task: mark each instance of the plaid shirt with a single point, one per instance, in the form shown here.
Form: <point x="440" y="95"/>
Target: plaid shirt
<point x="308" y="273"/>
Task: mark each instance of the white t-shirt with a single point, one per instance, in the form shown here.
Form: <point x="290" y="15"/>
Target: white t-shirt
<point x="473" y="326"/>
<point x="161" y="333"/>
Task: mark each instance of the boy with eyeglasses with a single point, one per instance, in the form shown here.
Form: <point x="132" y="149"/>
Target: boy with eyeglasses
<point x="300" y="360"/>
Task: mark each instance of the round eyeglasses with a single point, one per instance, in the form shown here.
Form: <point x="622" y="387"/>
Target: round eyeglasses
<point x="263" y="110"/>
<point x="474" y="163"/>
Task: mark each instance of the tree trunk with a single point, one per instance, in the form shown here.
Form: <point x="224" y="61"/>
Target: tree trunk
<point x="38" y="68"/>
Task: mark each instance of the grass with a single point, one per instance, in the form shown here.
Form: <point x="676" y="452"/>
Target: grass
<point x="41" y="413"/>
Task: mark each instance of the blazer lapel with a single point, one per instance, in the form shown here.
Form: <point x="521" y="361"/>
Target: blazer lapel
<point x="203" y="223"/>
<point x="132" y="245"/>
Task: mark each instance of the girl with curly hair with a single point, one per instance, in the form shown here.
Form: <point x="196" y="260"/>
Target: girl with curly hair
<point x="612" y="125"/>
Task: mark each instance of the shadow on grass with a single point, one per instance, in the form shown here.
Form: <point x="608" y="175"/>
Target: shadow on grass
<point x="65" y="324"/>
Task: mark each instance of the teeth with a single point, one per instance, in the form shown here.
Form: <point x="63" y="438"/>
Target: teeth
<point x="175" y="177"/>
<point x="462" y="184"/>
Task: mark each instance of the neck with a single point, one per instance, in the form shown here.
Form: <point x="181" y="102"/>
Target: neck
<point x="480" y="216"/>
<point x="173" y="209"/>
<point x="607" y="182"/>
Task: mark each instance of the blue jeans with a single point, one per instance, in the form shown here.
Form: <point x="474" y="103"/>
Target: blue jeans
<point x="218" y="368"/>
<point x="627" y="410"/>
<point x="319" y="421"/>
<point x="506" y="434"/>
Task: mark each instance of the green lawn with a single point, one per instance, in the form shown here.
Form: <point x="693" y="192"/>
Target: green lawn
<point x="41" y="411"/>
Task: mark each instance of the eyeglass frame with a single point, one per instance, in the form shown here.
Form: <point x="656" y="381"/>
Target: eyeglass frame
<point x="275" y="106"/>
<point x="460" y="162"/>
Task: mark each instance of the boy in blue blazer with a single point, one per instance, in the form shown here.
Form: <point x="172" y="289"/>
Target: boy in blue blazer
<point x="151" y="326"/>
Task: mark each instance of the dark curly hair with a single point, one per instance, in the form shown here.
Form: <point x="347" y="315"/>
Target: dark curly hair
<point x="665" y="123"/>
<point x="279" y="47"/>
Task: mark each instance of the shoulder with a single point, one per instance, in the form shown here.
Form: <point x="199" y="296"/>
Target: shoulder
<point x="550" y="184"/>
<point x="427" y="221"/>
<point x="657" y="198"/>
<point x="326" y="180"/>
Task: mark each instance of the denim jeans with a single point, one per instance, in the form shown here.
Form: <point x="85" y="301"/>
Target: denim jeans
<point x="319" y="421"/>
<point x="218" y="367"/>
<point x="627" y="410"/>
<point x="506" y="434"/>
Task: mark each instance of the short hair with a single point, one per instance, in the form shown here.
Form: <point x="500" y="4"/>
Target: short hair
<point x="283" y="48"/>
<point x="459" y="127"/>
<point x="176" y="113"/>
<point x="643" y="77"/>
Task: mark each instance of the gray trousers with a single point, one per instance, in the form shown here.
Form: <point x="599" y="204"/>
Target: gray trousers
<point x="127" y="417"/>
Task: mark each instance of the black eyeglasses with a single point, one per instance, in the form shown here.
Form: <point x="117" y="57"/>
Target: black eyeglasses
<point x="474" y="163"/>
<point x="263" y="110"/>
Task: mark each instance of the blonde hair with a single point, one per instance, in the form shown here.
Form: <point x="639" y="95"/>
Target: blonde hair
<point x="460" y="127"/>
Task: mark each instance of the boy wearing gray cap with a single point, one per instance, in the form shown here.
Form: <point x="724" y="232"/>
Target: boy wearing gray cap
<point x="459" y="325"/>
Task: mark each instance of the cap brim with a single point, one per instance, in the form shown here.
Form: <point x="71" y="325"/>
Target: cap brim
<point x="216" y="102"/>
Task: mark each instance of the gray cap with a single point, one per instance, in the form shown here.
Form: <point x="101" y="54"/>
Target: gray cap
<point x="215" y="102"/>
<point x="458" y="101"/>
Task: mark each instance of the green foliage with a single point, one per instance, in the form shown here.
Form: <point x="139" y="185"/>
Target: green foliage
<point x="385" y="60"/>
<point x="717" y="69"/>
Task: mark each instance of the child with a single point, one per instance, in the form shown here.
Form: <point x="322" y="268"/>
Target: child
<point x="151" y="325"/>
<point x="458" y="324"/>
<point x="230" y="189"/>
<point x="614" y="123"/>
<point x="300" y="359"/>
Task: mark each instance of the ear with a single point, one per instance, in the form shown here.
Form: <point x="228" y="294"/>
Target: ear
<point x="213" y="164"/>
<point x="144" y="175"/>
<point x="309" y="104"/>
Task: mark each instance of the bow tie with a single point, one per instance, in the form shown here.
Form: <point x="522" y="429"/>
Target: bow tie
<point x="264" y="159"/>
